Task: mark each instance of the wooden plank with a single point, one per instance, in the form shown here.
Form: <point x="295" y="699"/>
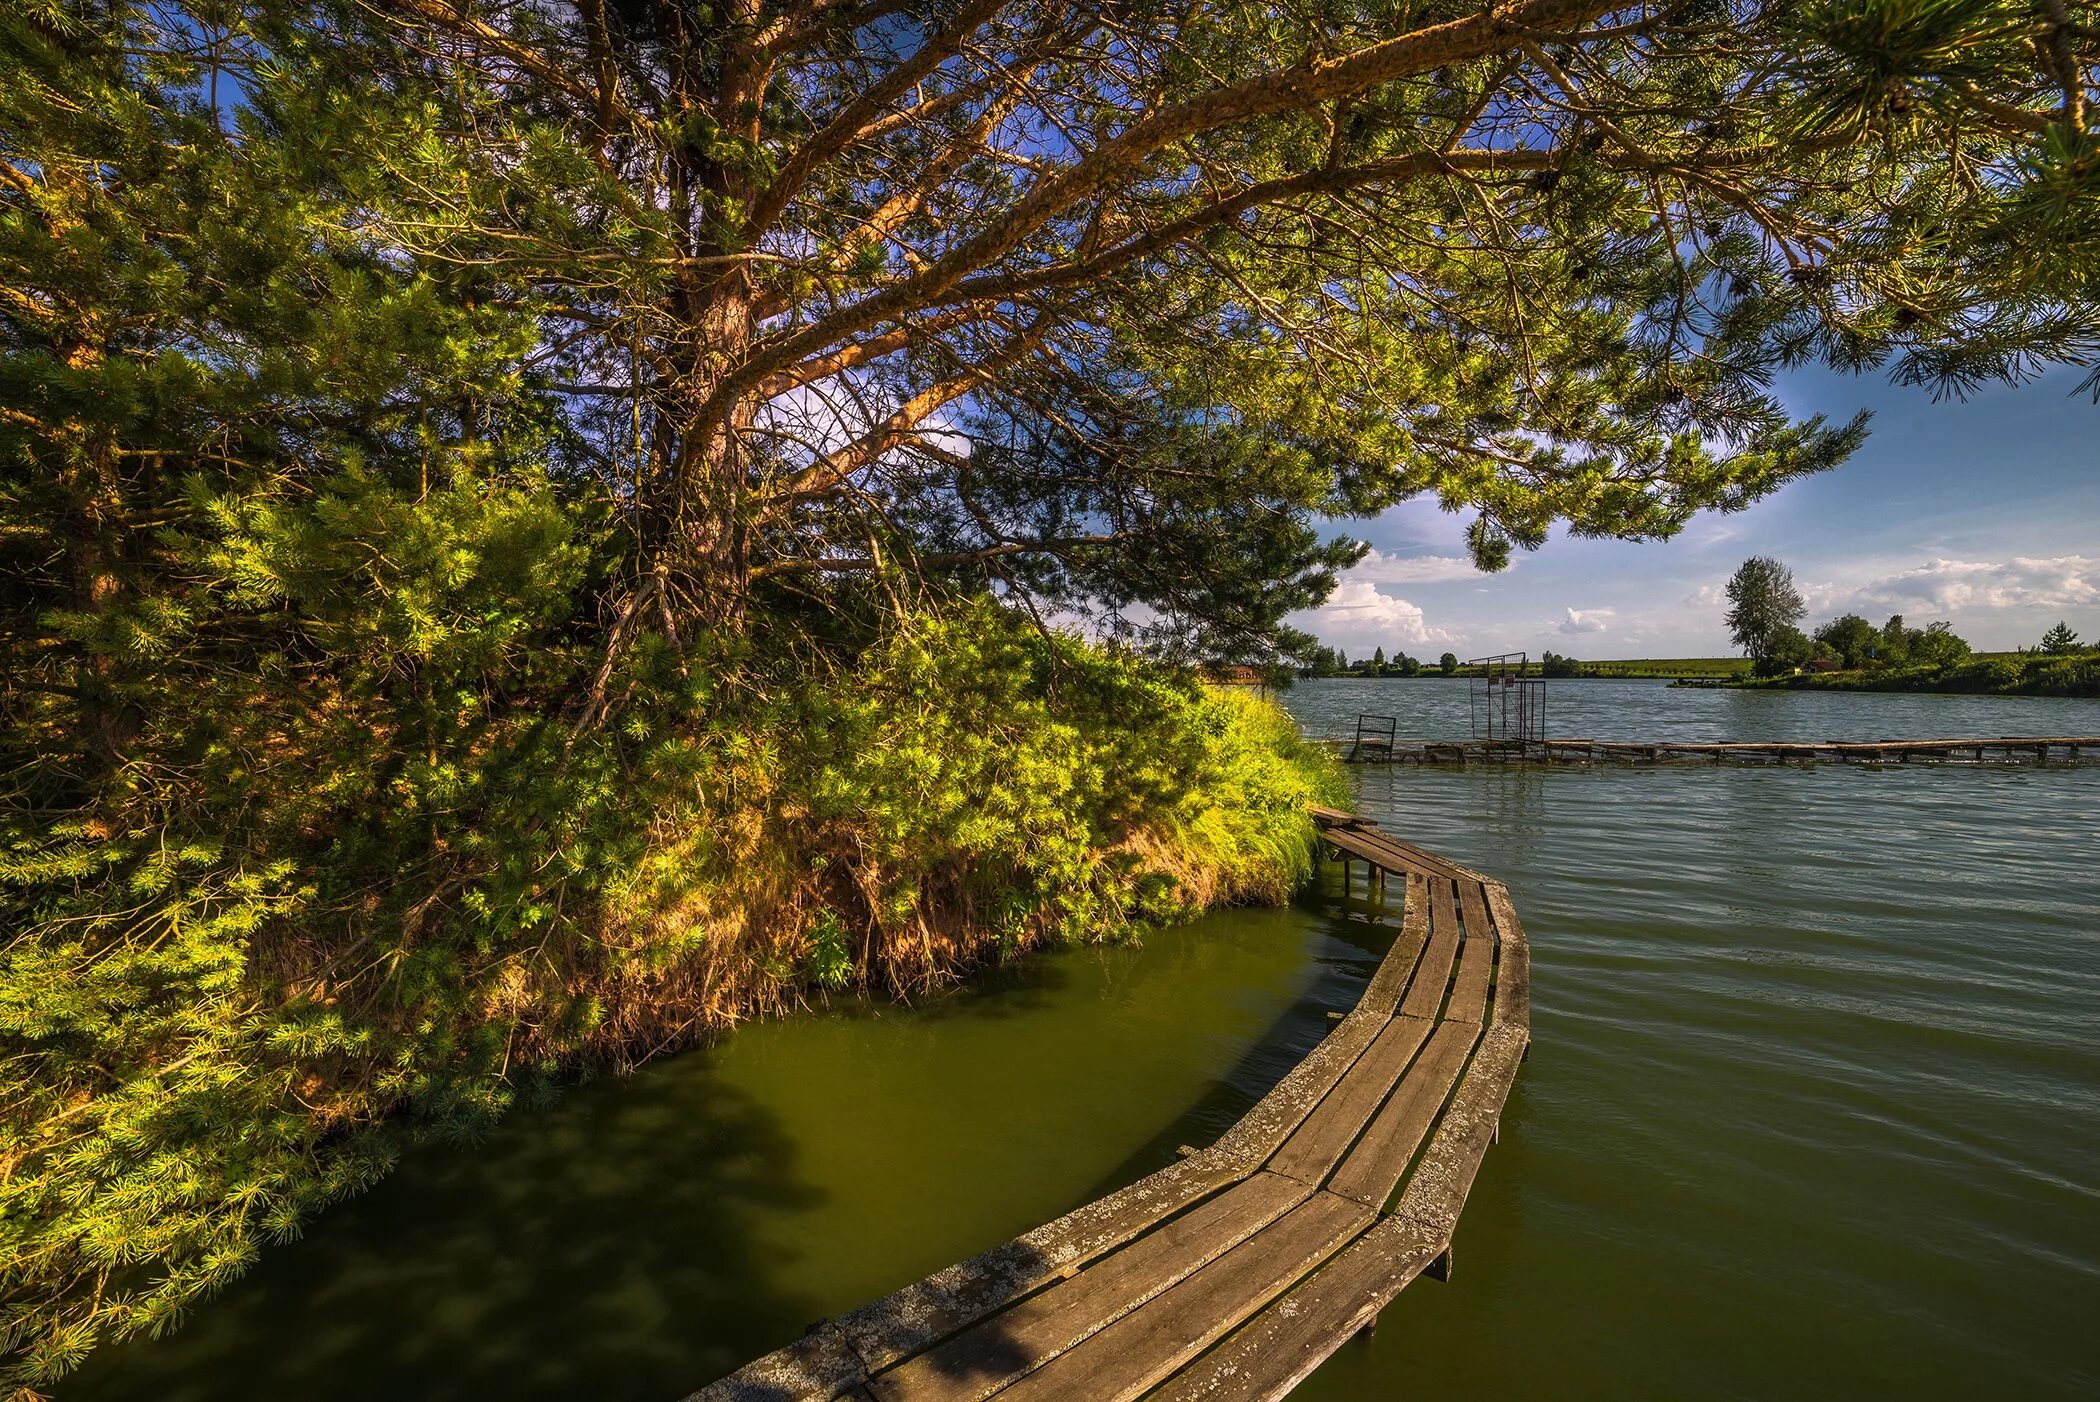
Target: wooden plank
<point x="1387" y="847"/>
<point x="985" y="1358"/>
<point x="820" y="1365"/>
<point x="1280" y="1347"/>
<point x="1743" y="751"/>
<point x="1512" y="1005"/>
<point x="1259" y="1132"/>
<point x="1380" y="1158"/>
<point x="1369" y="845"/>
<point x="1152" y="1342"/>
<point x="1438" y="1188"/>
<point x="1476" y="958"/>
<point x="909" y="1319"/>
<point x="1425" y="995"/>
<point x="1318" y="1144"/>
<point x="1389" y="981"/>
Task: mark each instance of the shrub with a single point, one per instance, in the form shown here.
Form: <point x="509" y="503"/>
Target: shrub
<point x="372" y="887"/>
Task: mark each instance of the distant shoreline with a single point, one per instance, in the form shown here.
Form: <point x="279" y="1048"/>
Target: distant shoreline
<point x="2074" y="674"/>
<point x="1986" y="674"/>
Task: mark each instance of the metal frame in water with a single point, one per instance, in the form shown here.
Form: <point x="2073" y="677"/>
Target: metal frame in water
<point x="1509" y="707"/>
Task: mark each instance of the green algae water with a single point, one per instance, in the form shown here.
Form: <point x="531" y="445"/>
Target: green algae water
<point x="648" y="1233"/>
<point x="1813" y="1108"/>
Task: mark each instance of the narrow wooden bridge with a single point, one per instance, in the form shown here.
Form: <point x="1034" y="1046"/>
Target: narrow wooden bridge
<point x="1233" y="1272"/>
<point x="1375" y="749"/>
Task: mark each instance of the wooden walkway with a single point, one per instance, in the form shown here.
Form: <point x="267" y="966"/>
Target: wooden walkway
<point x="2005" y="747"/>
<point x="1233" y="1272"/>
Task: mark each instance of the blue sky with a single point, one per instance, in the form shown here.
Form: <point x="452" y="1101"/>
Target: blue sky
<point x="1985" y="513"/>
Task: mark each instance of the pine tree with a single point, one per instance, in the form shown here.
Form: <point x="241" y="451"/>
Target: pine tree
<point x="416" y="419"/>
<point x="280" y="550"/>
<point x="1087" y="378"/>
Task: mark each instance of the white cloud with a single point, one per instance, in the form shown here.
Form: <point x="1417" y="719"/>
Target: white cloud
<point x="1382" y="568"/>
<point x="1587" y="620"/>
<point x="1714" y="533"/>
<point x="1356" y="616"/>
<point x="1953" y="586"/>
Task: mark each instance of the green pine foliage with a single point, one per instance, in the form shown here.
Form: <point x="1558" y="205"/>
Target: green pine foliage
<point x="326" y="812"/>
<point x="441" y="647"/>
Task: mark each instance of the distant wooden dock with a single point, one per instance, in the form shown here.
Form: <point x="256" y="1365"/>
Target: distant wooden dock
<point x="1233" y="1272"/>
<point x="1373" y="749"/>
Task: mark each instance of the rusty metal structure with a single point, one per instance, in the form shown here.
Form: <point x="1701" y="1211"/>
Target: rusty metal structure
<point x="1509" y="705"/>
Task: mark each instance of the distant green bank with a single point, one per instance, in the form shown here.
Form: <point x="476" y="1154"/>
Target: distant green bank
<point x="1670" y="667"/>
<point x="2002" y="674"/>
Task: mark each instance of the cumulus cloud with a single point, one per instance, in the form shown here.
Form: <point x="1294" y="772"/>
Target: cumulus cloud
<point x="1586" y="620"/>
<point x="1381" y="568"/>
<point x="1953" y="586"/>
<point x="1358" y="616"/>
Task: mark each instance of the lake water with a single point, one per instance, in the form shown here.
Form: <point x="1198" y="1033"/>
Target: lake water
<point x="1813" y="1108"/>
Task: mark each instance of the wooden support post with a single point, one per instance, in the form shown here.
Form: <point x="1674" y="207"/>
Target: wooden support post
<point x="1440" y="1268"/>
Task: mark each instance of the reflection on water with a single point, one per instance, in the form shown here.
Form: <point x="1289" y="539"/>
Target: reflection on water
<point x="1438" y="708"/>
<point x="649" y="1233"/>
<point x="1814" y="1095"/>
<point x="1811" y="1112"/>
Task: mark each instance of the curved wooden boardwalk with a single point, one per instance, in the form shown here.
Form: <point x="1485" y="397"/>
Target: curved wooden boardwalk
<point x="1372" y="749"/>
<point x="1233" y="1272"/>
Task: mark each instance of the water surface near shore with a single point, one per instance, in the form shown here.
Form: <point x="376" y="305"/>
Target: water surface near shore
<point x="1439" y="708"/>
<point x="1812" y="1109"/>
<point x="647" y="1233"/>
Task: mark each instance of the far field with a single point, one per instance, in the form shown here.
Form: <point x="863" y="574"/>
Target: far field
<point x="1670" y="667"/>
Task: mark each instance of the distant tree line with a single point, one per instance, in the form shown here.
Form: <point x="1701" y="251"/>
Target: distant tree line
<point x="1765" y="610"/>
<point x="1333" y="662"/>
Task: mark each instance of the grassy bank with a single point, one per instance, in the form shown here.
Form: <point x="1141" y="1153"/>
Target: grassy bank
<point x="1995" y="674"/>
<point x="1670" y="667"/>
<point x="221" y="1015"/>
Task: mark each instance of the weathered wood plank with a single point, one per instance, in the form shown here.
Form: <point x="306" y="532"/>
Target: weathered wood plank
<point x="819" y="1365"/>
<point x="1318" y="1144"/>
<point x="1376" y="1164"/>
<point x="997" y="1350"/>
<point x="1389" y="981"/>
<point x="1367" y="845"/>
<point x="1259" y="1132"/>
<point x="1744" y="751"/>
<point x="1476" y="958"/>
<point x="1458" y="870"/>
<point x="1153" y="1341"/>
<point x="1381" y="846"/>
<point x="1438" y="1187"/>
<point x="1425" y="995"/>
<point x="1512" y="1004"/>
<point x="908" y="1320"/>
<point x="1279" y="1348"/>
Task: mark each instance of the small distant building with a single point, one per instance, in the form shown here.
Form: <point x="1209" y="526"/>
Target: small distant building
<point x="1234" y="674"/>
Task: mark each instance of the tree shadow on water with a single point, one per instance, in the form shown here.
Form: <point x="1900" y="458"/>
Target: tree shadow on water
<point x="609" y="1246"/>
<point x="1358" y="930"/>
